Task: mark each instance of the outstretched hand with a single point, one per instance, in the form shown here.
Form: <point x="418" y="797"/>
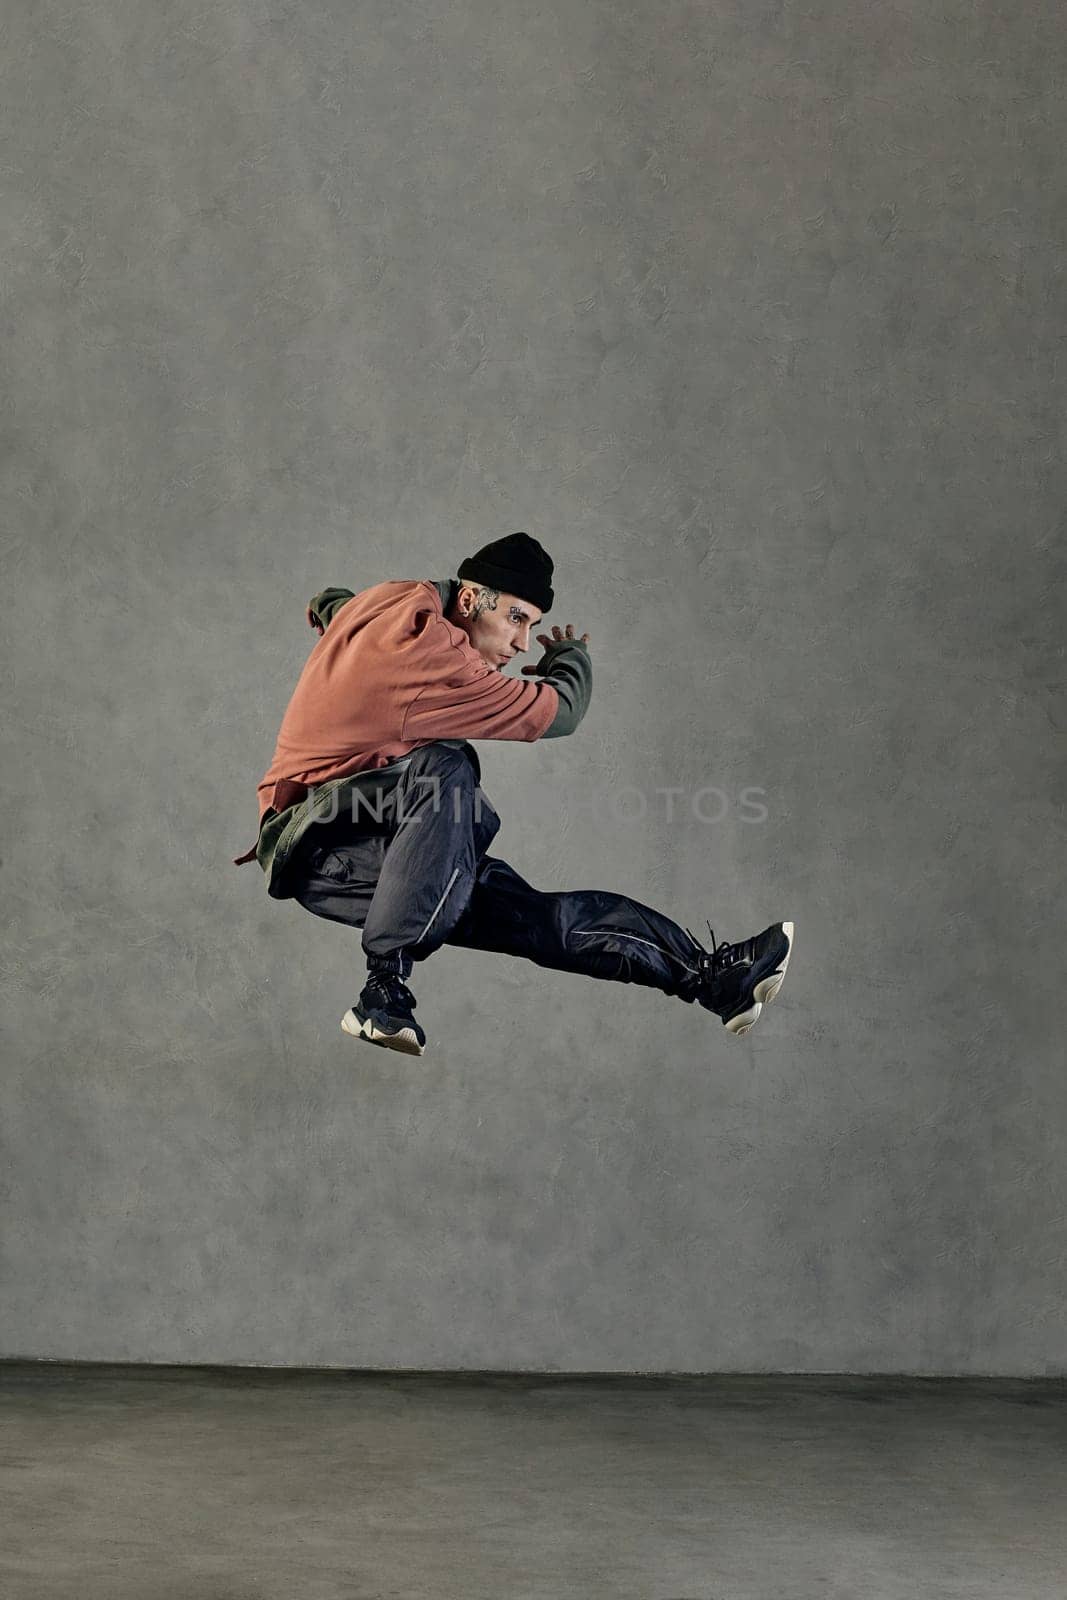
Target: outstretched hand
<point x="557" y="635"/>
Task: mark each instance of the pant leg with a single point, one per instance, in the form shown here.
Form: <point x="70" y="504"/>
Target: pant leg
<point x="406" y="883"/>
<point x="593" y="932"/>
<point x="337" y="880"/>
<point x="442" y="825"/>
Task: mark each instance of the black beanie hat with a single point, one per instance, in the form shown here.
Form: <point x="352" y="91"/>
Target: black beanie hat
<point x="515" y="564"/>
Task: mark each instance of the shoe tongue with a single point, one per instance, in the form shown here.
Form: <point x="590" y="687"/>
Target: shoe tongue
<point x="391" y="995"/>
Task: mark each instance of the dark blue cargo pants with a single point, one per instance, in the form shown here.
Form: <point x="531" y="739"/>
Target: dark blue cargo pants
<point x="409" y="866"/>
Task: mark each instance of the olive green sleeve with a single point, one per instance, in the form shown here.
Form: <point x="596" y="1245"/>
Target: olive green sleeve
<point x="322" y="607"/>
<point x="568" y="667"/>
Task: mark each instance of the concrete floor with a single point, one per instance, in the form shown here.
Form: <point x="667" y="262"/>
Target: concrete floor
<point x="162" y="1483"/>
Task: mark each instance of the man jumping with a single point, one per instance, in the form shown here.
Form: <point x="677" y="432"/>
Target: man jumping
<point x="371" y="811"/>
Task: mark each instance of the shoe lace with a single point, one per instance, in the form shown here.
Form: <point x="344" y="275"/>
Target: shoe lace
<point x="392" y="989"/>
<point x="724" y="955"/>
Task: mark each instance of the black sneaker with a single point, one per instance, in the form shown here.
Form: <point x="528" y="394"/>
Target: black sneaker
<point x="382" y="1015"/>
<point x="737" y="980"/>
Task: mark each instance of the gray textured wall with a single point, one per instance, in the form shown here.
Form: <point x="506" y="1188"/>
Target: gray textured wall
<point x="752" y="314"/>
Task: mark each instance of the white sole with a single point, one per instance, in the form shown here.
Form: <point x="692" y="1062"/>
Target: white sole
<point x="404" y="1041"/>
<point x="764" y="991"/>
<point x="744" y="1020"/>
<point x="767" y="988"/>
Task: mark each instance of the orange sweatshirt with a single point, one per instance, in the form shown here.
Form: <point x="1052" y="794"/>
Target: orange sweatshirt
<point x="388" y="674"/>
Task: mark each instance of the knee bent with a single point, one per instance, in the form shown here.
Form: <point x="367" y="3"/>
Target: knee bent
<point x="445" y="760"/>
